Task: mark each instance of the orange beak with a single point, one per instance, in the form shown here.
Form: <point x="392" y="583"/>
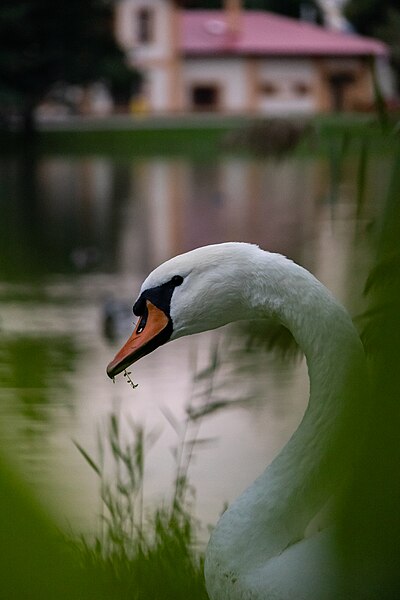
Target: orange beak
<point x="153" y="329"/>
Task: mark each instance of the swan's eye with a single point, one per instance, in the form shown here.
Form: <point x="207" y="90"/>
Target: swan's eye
<point x="177" y="280"/>
<point x="142" y="322"/>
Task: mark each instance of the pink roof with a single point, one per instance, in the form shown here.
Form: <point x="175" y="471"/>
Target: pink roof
<point x="205" y="32"/>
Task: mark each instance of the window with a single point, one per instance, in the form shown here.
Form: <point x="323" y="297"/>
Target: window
<point x="268" y="88"/>
<point x="145" y="25"/>
<point x="204" y="97"/>
<point x="301" y="89"/>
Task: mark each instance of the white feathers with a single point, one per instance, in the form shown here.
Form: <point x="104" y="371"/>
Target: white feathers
<point x="257" y="550"/>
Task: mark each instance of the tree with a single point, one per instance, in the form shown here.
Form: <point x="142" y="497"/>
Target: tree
<point x="45" y="42"/>
<point x="289" y="8"/>
<point x="378" y="19"/>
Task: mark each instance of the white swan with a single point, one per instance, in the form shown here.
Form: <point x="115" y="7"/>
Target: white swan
<point x="259" y="548"/>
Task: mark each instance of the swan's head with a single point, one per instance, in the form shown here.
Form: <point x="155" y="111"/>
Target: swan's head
<point x="193" y="292"/>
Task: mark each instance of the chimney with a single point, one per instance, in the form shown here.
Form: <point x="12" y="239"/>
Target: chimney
<point x="232" y="11"/>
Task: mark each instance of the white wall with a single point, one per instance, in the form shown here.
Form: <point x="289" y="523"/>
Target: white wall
<point x="229" y="75"/>
<point x="157" y="87"/>
<point x="152" y="58"/>
<point x="284" y="74"/>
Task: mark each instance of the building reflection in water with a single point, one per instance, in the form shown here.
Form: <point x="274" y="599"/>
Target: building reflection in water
<point x="174" y="206"/>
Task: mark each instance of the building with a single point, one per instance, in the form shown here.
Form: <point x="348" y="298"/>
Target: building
<point x="241" y="61"/>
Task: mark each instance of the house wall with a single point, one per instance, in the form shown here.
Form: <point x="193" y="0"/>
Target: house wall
<point x="156" y="87"/>
<point x="228" y="75"/>
<point x="157" y="59"/>
<point x="356" y="95"/>
<point x="126" y="28"/>
<point x="361" y="94"/>
<point x="242" y="83"/>
<point x="286" y="77"/>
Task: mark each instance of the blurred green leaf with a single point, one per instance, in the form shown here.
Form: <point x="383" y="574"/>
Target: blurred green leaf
<point x="35" y="561"/>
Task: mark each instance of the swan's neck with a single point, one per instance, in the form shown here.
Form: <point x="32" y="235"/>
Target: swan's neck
<point x="275" y="510"/>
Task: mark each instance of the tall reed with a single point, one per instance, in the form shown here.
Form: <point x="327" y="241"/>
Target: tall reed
<point x="140" y="553"/>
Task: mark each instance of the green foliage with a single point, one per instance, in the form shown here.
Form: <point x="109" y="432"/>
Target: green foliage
<point x="35" y="562"/>
<point x="197" y="139"/>
<point x="367" y="15"/>
<point x="290" y="8"/>
<point x="36" y="367"/>
<point x="378" y="19"/>
<point x="141" y="555"/>
<point x="45" y="42"/>
<point x="269" y="137"/>
<point x="370" y="521"/>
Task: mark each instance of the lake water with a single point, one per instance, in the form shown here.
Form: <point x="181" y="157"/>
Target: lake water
<point x="79" y="233"/>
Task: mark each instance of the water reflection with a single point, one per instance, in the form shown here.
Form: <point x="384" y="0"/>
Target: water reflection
<point x="76" y="234"/>
<point x="184" y="205"/>
<point x="36" y="375"/>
